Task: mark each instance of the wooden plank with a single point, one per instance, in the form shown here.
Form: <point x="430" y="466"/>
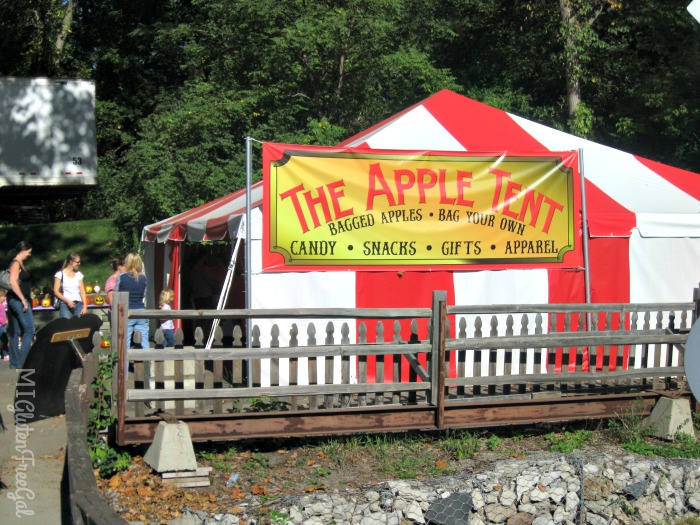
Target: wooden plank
<point x="565" y="340"/>
<point x="362" y="379"/>
<point x="215" y="354"/>
<point x="188" y="483"/>
<point x="216" y="380"/>
<point x="60" y="337"/>
<point x="159" y="382"/>
<point x="393" y="418"/>
<point x="199" y="384"/>
<point x="139" y="382"/>
<point x="405" y="313"/>
<point x="300" y="390"/>
<point x="564" y="308"/>
<point x="180" y="385"/>
<point x="569" y="377"/>
<point x="286" y="313"/>
<point x="293" y="366"/>
<point x="379" y="378"/>
<point x="200" y="471"/>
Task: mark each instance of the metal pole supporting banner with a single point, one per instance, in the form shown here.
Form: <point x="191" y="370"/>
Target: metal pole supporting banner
<point x="585" y="233"/>
<point x="248" y="248"/>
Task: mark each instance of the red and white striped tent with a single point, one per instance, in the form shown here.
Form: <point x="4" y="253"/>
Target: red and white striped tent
<point x="643" y="221"/>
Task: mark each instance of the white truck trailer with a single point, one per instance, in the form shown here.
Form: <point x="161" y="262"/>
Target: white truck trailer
<point x="48" y="145"/>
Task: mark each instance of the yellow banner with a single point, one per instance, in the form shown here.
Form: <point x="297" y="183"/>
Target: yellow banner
<point x="340" y="207"/>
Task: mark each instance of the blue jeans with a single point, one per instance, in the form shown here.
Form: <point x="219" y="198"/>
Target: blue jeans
<point x="140" y="325"/>
<point x="169" y="335"/>
<point x="4" y="341"/>
<point x="67" y="312"/>
<point x="19" y="323"/>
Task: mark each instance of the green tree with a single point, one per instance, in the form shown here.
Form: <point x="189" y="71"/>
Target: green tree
<point x="646" y="82"/>
<point x="289" y="71"/>
<point x="181" y="84"/>
<point x="33" y="36"/>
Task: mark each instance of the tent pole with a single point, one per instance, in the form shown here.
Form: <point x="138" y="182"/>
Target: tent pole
<point x="248" y="249"/>
<point x="586" y="237"/>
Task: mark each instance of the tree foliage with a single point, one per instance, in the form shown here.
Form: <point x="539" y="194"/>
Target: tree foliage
<point x="181" y="84"/>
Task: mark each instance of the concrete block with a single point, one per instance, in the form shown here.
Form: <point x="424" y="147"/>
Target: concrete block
<point x="171" y="449"/>
<point x="669" y="417"/>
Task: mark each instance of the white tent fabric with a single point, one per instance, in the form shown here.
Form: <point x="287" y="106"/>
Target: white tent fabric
<point x="643" y="219"/>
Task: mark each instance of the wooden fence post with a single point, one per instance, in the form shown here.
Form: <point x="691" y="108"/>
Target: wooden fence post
<point x="437" y="356"/>
<point x="120" y="310"/>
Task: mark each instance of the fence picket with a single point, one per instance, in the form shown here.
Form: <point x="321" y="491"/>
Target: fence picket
<point x="312" y="364"/>
<point x="362" y="364"/>
<point x="293" y="365"/>
<point x="522" y="355"/>
<point x="329" y="362"/>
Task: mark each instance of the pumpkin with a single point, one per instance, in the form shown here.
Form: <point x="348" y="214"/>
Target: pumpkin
<point x="88" y="300"/>
<point x="35" y="302"/>
<point x="98" y="300"/>
<point x="105" y="343"/>
<point x="88" y="289"/>
<point x="46" y="301"/>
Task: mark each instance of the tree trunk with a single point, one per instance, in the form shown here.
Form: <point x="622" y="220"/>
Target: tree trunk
<point x="572" y="64"/>
<point x="63" y="33"/>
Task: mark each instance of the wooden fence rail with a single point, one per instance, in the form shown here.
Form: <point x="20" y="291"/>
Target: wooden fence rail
<point x="548" y="362"/>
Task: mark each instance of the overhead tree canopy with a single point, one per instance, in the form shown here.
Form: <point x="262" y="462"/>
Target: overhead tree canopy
<point x="181" y="84"/>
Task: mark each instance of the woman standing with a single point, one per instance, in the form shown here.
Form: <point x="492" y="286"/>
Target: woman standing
<point x="133" y="281"/>
<point x="68" y="287"/>
<point x="19" y="309"/>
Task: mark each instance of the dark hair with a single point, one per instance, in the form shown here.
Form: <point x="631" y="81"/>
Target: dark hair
<point x="116" y="263"/>
<point x="21" y="246"/>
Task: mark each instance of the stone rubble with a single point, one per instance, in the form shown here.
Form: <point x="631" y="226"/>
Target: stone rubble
<point x="554" y="490"/>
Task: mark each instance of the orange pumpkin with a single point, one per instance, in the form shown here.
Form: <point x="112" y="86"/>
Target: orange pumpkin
<point x="105" y="343"/>
<point x="35" y="302"/>
<point x="88" y="300"/>
<point x="46" y="301"/>
<point x="98" y="300"/>
<point x="88" y="289"/>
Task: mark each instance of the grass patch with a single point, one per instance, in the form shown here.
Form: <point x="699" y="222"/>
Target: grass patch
<point x="634" y="436"/>
<point x="94" y="240"/>
<point x="567" y="442"/>
<point x="680" y="448"/>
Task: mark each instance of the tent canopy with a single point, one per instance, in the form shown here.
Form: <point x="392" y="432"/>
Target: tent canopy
<point x="643" y="225"/>
<point x="623" y="191"/>
<point x="214" y="221"/>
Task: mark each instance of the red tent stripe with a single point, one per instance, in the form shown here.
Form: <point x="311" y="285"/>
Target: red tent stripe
<point x="606" y="216"/>
<point x="479" y="127"/>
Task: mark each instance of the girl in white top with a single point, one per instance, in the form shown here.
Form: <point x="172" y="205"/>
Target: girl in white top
<point x="69" y="289"/>
<point x="167" y="325"/>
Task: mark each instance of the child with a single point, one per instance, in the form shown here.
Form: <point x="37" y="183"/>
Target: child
<point x="167" y="325"/>
<point x="4" y="341"/>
